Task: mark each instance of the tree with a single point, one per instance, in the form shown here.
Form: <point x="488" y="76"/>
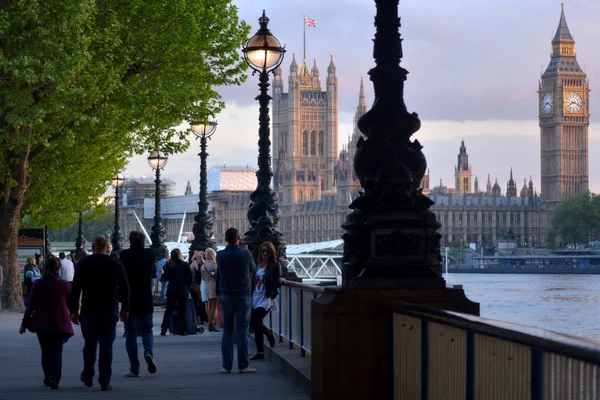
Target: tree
<point x="92" y="225"/>
<point x="85" y="84"/>
<point x="576" y="218"/>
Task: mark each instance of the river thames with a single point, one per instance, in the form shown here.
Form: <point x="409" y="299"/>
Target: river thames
<point x="561" y="303"/>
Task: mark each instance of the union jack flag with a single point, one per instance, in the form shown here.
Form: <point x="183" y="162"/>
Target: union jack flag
<point x="310" y="22"/>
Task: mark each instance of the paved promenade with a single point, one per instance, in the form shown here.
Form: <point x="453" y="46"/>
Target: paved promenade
<point x="188" y="368"/>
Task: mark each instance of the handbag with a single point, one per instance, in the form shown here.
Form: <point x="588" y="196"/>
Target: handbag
<point x="31" y="323"/>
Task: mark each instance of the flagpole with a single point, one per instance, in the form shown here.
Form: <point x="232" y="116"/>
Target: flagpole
<point x="304" y="24"/>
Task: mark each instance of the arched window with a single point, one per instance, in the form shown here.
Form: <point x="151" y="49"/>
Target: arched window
<point x="300" y="196"/>
<point x="321" y="143"/>
<point x="312" y="194"/>
<point x="305" y="143"/>
<point x="313" y="143"/>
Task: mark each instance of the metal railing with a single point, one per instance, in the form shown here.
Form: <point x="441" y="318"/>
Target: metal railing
<point x="319" y="267"/>
<point x="440" y="354"/>
<point x="293" y="321"/>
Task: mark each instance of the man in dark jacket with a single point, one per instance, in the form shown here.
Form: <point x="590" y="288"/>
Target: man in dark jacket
<point x="102" y="281"/>
<point x="235" y="267"/>
<point x="140" y="267"/>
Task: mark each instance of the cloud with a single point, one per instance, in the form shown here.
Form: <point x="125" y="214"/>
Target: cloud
<point x="474" y="70"/>
<point x="468" y="60"/>
<point x="494" y="146"/>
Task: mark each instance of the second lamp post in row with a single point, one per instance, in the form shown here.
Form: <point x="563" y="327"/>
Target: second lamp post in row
<point x="203" y="225"/>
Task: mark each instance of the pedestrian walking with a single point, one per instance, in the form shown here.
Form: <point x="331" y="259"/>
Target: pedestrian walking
<point x="31" y="273"/>
<point x="67" y="268"/>
<point x="266" y="281"/>
<point x="47" y="315"/>
<point x="140" y="268"/>
<point x="160" y="268"/>
<point x="208" y="271"/>
<point x="179" y="276"/>
<point x="235" y="268"/>
<point x="100" y="280"/>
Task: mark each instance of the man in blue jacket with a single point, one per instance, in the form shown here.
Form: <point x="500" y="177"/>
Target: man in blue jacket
<point x="235" y="268"/>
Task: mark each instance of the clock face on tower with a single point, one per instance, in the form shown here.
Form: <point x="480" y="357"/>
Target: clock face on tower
<point x="573" y="102"/>
<point x="547" y="103"/>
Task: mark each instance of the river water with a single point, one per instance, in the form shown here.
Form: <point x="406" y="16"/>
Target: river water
<point x="561" y="303"/>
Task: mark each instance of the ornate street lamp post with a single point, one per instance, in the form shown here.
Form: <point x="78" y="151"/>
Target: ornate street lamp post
<point x="117" y="237"/>
<point x="157" y="161"/>
<point x="203" y="226"/>
<point x="391" y="239"/>
<point x="264" y="54"/>
<point x="391" y="244"/>
<point x="80" y="242"/>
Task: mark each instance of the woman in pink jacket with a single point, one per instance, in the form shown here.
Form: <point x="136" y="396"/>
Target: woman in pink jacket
<point x="51" y="319"/>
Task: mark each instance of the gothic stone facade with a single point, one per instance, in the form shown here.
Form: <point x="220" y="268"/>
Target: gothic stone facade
<point x="316" y="184"/>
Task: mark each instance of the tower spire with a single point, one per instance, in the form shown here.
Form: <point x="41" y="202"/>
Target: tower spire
<point x="562" y="32"/>
<point x="361" y="108"/>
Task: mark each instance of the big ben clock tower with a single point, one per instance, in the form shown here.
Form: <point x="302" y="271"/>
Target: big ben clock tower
<point x="564" y="121"/>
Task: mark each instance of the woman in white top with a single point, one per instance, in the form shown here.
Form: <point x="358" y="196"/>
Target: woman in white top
<point x="265" y="283"/>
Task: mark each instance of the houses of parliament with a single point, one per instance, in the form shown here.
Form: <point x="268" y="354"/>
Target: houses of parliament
<point x="316" y="183"/>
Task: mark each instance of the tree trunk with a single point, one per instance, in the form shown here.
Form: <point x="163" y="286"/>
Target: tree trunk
<point x="11" y="201"/>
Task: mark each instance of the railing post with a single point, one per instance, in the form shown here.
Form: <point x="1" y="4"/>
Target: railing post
<point x="302" y="351"/>
<point x="424" y="360"/>
<point x="470" y="395"/>
<point x="537" y="374"/>
<point x="280" y="319"/>
<point x="291" y="344"/>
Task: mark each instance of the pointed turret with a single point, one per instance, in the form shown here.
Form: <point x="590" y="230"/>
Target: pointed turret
<point x="563" y="49"/>
<point x="463" y="158"/>
<point x="476" y="186"/>
<point x="362" y="101"/>
<point x="294" y="65"/>
<point x="530" y="189"/>
<point x="496" y="190"/>
<point x="331" y="70"/>
<point x="488" y="186"/>
<point x="562" y="33"/>
<point x="524" y="189"/>
<point x="316" y="76"/>
<point x="511" y="186"/>
<point x="188" y="189"/>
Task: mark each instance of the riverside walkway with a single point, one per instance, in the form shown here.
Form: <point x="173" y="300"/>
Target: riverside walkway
<point x="188" y="368"/>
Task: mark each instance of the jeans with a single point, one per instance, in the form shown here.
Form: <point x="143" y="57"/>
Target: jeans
<point x="52" y="348"/>
<point x="179" y="325"/>
<point x="163" y="290"/>
<point x="237" y="307"/>
<point x="135" y="324"/>
<point x="98" y="330"/>
<point x="260" y="330"/>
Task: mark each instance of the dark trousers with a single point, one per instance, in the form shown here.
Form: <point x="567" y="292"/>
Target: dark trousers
<point x="52" y="348"/>
<point x="172" y="301"/>
<point x="98" y="330"/>
<point x="260" y="330"/>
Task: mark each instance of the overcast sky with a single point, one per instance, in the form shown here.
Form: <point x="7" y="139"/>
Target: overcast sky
<point x="474" y="71"/>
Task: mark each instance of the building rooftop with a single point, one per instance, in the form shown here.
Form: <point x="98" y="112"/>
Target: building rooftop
<point x="231" y="178"/>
